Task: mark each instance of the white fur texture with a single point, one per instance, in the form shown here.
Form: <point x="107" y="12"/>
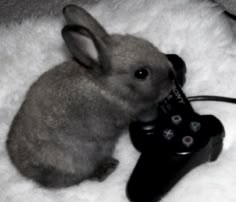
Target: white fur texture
<point x="194" y="29"/>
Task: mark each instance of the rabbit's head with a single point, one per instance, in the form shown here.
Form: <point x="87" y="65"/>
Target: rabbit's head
<point x="126" y="65"/>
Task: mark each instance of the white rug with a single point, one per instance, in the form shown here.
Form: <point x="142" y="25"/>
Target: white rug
<point x="196" y="30"/>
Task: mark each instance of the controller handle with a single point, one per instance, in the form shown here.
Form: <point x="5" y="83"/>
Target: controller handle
<point x="159" y="169"/>
<point x="179" y="67"/>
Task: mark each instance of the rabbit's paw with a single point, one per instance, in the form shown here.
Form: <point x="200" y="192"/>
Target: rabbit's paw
<point x="105" y="169"/>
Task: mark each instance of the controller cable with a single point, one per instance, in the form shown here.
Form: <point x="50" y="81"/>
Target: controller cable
<point x="211" y="98"/>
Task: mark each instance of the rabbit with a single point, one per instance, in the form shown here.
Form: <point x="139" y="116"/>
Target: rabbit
<point x="67" y="128"/>
<point x="15" y="11"/>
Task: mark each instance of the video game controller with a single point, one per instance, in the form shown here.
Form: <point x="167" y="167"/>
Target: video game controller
<point x="171" y="145"/>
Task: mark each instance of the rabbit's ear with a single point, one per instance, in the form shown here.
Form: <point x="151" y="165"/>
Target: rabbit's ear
<point x="75" y="15"/>
<point x="87" y="48"/>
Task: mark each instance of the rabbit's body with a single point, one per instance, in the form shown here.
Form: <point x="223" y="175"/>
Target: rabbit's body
<point x="67" y="127"/>
<point x="50" y="132"/>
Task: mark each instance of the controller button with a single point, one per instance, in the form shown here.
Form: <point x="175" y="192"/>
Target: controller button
<point x="149" y="127"/>
<point x="176" y="119"/>
<point x="195" y="126"/>
<point x="187" y="141"/>
<point x="168" y="134"/>
<point x="150" y="133"/>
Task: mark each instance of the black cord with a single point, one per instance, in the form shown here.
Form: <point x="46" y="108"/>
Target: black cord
<point x="233" y="17"/>
<point x="212" y="98"/>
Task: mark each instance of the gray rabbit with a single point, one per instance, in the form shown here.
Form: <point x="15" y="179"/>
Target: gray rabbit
<point x="68" y="125"/>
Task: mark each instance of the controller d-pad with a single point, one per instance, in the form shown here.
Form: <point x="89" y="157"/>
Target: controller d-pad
<point x="176" y="119"/>
<point x="195" y="126"/>
<point x="168" y="134"/>
<point x="187" y="141"/>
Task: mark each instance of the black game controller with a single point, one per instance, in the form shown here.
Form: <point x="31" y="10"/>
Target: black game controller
<point x="171" y="145"/>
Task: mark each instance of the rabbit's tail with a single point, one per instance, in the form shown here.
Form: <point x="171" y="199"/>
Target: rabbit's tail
<point x="53" y="178"/>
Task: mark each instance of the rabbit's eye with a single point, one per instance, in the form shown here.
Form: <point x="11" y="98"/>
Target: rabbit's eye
<point x="141" y="73"/>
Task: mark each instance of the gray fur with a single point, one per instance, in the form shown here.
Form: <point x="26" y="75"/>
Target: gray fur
<point x="72" y="116"/>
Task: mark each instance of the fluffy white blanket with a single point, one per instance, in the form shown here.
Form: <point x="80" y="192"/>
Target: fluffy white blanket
<point x="194" y="29"/>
